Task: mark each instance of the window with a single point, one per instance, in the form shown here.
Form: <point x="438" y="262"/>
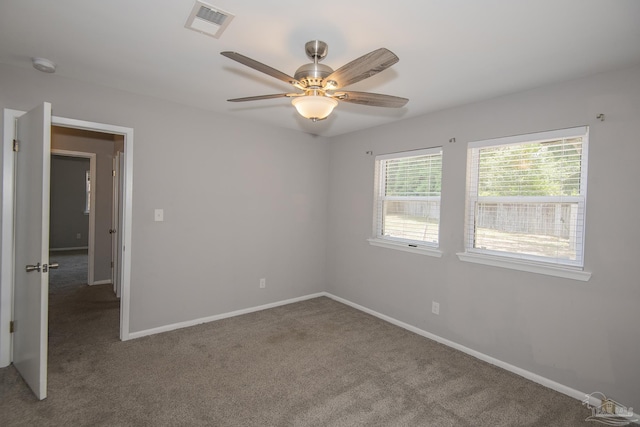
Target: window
<point x="407" y="198"/>
<point x="526" y="197"/>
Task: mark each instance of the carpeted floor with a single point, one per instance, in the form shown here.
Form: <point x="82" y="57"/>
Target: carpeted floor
<point x="72" y="270"/>
<point x="313" y="363"/>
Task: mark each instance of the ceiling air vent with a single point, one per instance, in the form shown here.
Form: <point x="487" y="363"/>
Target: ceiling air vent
<point x="207" y="19"/>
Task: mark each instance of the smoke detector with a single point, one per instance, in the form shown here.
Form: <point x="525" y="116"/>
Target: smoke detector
<point x="207" y="19"/>
<point x="44" y="65"/>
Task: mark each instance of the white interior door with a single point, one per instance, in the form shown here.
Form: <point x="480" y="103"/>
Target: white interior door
<point x="31" y="284"/>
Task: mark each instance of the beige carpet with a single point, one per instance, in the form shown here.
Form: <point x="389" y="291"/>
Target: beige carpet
<point x="313" y="363"/>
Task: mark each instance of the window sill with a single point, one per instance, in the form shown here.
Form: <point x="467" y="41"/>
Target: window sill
<point x="522" y="265"/>
<point x="417" y="249"/>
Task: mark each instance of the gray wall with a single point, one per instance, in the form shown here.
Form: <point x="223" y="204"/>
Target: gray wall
<point x="103" y="146"/>
<point x="241" y="201"/>
<point x="68" y="200"/>
<point x="583" y="335"/>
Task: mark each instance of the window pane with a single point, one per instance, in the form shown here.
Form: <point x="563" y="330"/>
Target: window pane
<point x="537" y="229"/>
<point x="413" y="176"/>
<point x="411" y="220"/>
<point x="550" y="168"/>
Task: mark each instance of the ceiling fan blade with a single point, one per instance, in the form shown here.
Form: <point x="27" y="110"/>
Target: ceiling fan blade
<point x="259" y="97"/>
<point x="259" y="66"/>
<point x="365" y="66"/>
<point x="372" y="99"/>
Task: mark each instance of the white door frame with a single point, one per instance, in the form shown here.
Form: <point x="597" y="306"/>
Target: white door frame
<point x="116" y="223"/>
<point x="92" y="204"/>
<point x="7" y="244"/>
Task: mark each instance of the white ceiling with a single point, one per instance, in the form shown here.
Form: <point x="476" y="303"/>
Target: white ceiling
<point x="452" y="52"/>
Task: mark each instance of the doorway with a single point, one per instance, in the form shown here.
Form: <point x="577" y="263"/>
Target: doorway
<point x="94" y="199"/>
<point x="8" y="200"/>
<point x="82" y="241"/>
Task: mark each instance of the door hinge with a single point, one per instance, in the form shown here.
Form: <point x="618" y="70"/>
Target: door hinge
<point x="16" y="145"/>
<point x="113" y="172"/>
<point x="12" y="327"/>
<point x="111" y="264"/>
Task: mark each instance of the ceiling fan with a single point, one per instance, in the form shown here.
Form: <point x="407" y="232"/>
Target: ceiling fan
<point x="319" y="84"/>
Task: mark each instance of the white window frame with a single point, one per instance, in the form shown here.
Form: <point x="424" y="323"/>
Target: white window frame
<point x="406" y="245"/>
<point x="515" y="260"/>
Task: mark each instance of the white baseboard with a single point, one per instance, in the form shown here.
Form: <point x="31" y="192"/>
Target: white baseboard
<point x="186" y="324"/>
<point x="561" y="388"/>
<point x="68" y="249"/>
<point x="102" y="282"/>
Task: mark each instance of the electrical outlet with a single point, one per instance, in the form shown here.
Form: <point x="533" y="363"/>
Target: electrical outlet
<point x="79" y="236"/>
<point x="435" y="307"/>
<point x="263" y="283"/>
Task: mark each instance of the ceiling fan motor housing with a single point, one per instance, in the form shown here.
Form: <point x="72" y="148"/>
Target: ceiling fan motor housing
<point x="312" y="75"/>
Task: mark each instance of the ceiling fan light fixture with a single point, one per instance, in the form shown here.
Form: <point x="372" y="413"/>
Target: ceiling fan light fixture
<point x="314" y="107"/>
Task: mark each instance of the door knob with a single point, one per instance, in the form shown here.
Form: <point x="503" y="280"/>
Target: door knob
<point x="43" y="267"/>
<point x="46" y="267"/>
<point x="31" y="268"/>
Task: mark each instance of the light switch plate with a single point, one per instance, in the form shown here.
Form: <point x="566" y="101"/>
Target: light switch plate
<point x="159" y="215"/>
<point x="435" y="307"/>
